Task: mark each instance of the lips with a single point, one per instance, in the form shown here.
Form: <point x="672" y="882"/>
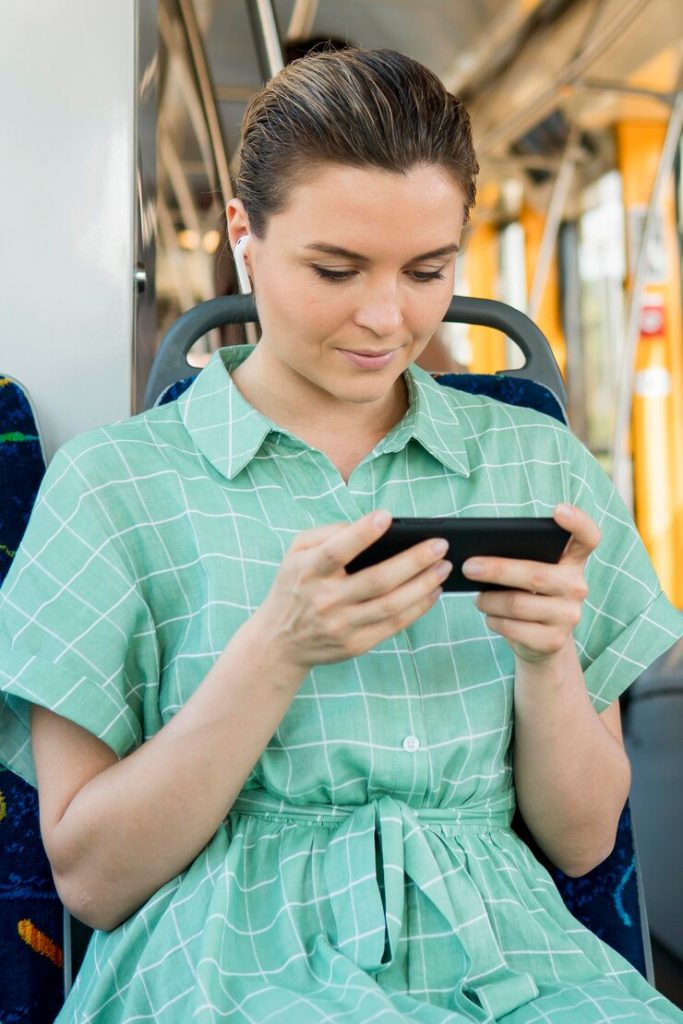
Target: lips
<point x="369" y="360"/>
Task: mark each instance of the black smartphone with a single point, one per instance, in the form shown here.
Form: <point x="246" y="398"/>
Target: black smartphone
<point x="537" y="538"/>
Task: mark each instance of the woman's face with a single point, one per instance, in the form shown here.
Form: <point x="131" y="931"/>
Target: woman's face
<point x="352" y="278"/>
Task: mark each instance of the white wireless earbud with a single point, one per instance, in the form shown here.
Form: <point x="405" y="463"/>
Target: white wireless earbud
<point x="242" y="275"/>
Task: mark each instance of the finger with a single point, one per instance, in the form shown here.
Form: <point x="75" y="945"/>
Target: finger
<point x="315" y="536"/>
<point x="519" y="574"/>
<point x="367" y="637"/>
<point x="393" y="604"/>
<point x="340" y="548"/>
<point x="585" y="534"/>
<point x="535" y="637"/>
<point x="521" y="606"/>
<point x="386" y="576"/>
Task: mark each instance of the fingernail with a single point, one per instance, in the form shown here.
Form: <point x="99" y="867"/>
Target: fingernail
<point x="435" y="594"/>
<point x="564" y="510"/>
<point x="381" y="518"/>
<point x="443" y="569"/>
<point x="440" y="546"/>
<point x="472" y="567"/>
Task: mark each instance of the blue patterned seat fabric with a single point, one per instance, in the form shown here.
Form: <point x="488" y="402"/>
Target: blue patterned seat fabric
<point x="513" y="390"/>
<point x="31" y="988"/>
<point x="21" y="468"/>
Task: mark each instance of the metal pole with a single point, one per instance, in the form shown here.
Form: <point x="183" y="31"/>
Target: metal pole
<point x="301" y="22"/>
<point x="200" y="68"/>
<point x="621" y="472"/>
<point x="266" y="37"/>
<point x="558" y="201"/>
<point x="175" y="41"/>
<point x="571" y="323"/>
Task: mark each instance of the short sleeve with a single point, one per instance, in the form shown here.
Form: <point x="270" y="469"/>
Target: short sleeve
<point x="76" y="635"/>
<point x="627" y="620"/>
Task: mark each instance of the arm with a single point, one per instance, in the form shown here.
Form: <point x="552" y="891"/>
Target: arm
<point x="572" y="774"/>
<point x="110" y="827"/>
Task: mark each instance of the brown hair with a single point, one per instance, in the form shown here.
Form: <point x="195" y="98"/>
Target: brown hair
<point x="363" y="108"/>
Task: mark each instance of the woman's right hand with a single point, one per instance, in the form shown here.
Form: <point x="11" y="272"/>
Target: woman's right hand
<point x="318" y="613"/>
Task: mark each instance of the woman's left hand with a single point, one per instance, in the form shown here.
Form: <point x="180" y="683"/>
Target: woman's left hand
<point x="542" y="603"/>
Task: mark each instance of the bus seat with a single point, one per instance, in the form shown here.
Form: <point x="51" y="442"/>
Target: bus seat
<point x="609" y="899"/>
<point x="31" y="988"/>
<point x="170" y="365"/>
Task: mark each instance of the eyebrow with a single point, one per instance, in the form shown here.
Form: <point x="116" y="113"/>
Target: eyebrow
<point x="336" y="250"/>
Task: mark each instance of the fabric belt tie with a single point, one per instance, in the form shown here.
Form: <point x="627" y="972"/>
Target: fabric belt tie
<point x="367" y="860"/>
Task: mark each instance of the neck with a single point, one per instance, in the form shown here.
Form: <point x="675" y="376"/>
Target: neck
<point x="313" y="414"/>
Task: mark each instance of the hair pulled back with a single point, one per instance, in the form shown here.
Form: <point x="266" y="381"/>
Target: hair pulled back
<point x="361" y="108"/>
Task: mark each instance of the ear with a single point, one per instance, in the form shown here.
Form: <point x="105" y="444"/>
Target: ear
<point x="238" y="221"/>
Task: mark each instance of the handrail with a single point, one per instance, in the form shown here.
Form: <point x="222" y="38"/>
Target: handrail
<point x="207" y="96"/>
<point x="302" y="19"/>
<point x="621" y="462"/>
<point x="267" y="37"/>
<point x="171" y="365"/>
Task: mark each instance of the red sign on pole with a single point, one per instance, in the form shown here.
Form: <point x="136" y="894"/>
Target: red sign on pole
<point x="652" y="322"/>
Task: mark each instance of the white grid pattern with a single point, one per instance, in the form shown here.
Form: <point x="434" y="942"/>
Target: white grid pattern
<point x="354" y="881"/>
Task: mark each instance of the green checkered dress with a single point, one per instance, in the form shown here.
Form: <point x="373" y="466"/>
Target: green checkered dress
<point x="367" y="872"/>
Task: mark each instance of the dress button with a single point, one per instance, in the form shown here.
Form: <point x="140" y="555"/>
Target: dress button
<point x="411" y="744"/>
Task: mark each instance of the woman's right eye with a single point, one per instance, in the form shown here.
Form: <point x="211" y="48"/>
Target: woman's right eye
<point x="332" y="275"/>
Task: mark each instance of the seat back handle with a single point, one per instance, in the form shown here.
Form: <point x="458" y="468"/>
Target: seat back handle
<point x="170" y="364"/>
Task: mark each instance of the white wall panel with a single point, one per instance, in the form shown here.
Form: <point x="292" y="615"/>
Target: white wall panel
<point x="67" y="99"/>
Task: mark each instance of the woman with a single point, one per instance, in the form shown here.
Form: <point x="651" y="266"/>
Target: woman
<point x="279" y="791"/>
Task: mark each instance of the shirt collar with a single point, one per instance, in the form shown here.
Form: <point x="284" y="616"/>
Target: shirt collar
<point x="432" y="419"/>
<point x="226" y="428"/>
<point x="229" y="431"/>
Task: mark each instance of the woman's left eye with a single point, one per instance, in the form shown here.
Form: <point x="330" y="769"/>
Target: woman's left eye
<point x="332" y="275"/>
<point x="427" y="275"/>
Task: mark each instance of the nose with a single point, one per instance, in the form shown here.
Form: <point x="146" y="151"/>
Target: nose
<point x="380" y="311"/>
